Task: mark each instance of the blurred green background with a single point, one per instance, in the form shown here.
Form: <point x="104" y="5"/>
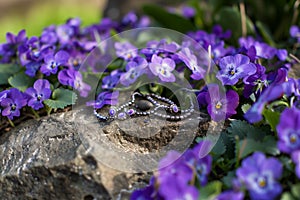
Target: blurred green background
<point x="270" y="18"/>
<point x="34" y="15"/>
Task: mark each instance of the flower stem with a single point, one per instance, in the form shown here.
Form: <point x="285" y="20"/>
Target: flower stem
<point x="37" y="116"/>
<point x="11" y="122"/>
<point x="48" y="110"/>
<point x="243" y="19"/>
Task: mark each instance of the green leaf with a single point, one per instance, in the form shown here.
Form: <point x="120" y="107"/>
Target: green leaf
<point x="227" y="180"/>
<point x="230" y="18"/>
<point x="249" y="145"/>
<point x="199" y="19"/>
<point x="168" y="20"/>
<point x="229" y="144"/>
<point x="238" y="128"/>
<point x="296" y="191"/>
<point x="21" y="81"/>
<point x="219" y="147"/>
<point x="242" y="129"/>
<point x="265" y="33"/>
<point x="61" y="98"/>
<point x="156" y="88"/>
<point x="288" y="164"/>
<point x="269" y="145"/>
<point x="245" y="107"/>
<point x="210" y="191"/>
<point x="287" y="196"/>
<point x="198" y="139"/>
<point x="6" y="71"/>
<point x="252" y="97"/>
<point x="144" y="89"/>
<point x="272" y="118"/>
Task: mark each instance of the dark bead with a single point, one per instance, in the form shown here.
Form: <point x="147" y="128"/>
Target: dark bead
<point x="143" y="105"/>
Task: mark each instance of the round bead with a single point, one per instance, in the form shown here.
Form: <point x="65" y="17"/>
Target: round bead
<point x="174" y="108"/>
<point x="121" y="116"/>
<point x="99" y="116"/>
<point x="112" y="112"/>
<point x="130" y="112"/>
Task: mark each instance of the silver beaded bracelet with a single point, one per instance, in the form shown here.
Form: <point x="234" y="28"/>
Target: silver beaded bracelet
<point x="149" y="104"/>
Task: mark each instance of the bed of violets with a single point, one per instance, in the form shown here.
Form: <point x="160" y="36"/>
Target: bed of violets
<point x="256" y="157"/>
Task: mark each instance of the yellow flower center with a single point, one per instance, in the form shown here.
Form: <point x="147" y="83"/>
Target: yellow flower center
<point x="13" y="107"/>
<point x="128" y="55"/>
<point x="262" y="182"/>
<point x="75" y="62"/>
<point x="218" y="105"/>
<point x="293" y="138"/>
<point x="232" y="72"/>
<point x="53" y="65"/>
<point x="163" y="71"/>
<point x="39" y="97"/>
<point x="77" y="84"/>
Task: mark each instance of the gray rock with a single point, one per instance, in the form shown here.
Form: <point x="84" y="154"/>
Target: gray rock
<point x="72" y="156"/>
<point x="45" y="159"/>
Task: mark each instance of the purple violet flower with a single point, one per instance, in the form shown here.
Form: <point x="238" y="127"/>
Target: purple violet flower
<point x="161" y="47"/>
<point x="134" y="69"/>
<point x="126" y="50"/>
<point x="174" y="175"/>
<point x="147" y="193"/>
<point x="202" y="97"/>
<point x="235" y="67"/>
<point x="289" y="130"/>
<point x="218" y="31"/>
<point x="173" y="165"/>
<point x="255" y="49"/>
<point x="76" y="59"/>
<point x="192" y="63"/>
<point x="38" y="93"/>
<point x="230" y="195"/>
<point x="104" y="98"/>
<point x="172" y="189"/>
<point x="143" y="22"/>
<point x="162" y="67"/>
<point x="295" y="32"/>
<point x="110" y="81"/>
<point x="188" y="12"/>
<point x="52" y="62"/>
<point x="258" y="80"/>
<point x="12" y="104"/>
<point x="259" y="174"/>
<point x="220" y="105"/>
<point x="29" y="51"/>
<point x="9" y="49"/>
<point x="218" y="51"/>
<point x="198" y="160"/>
<point x="274" y="91"/>
<point x="3" y="94"/>
<point x="296" y="159"/>
<point x="49" y="35"/>
<point x="73" y="78"/>
<point x="31" y="55"/>
<point x="64" y="33"/>
<point x="129" y="19"/>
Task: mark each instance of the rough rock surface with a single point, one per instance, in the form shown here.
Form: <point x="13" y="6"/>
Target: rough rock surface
<point x="51" y="158"/>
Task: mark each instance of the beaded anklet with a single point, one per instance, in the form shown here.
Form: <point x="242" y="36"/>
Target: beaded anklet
<point x="149" y="104"/>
